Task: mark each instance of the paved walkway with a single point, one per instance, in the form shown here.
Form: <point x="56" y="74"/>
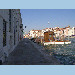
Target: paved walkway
<point x="26" y="54"/>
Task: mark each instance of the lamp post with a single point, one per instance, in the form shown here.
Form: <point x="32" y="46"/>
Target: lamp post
<point x="24" y="32"/>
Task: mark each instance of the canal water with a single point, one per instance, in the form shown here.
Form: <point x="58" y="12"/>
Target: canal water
<point x="64" y="53"/>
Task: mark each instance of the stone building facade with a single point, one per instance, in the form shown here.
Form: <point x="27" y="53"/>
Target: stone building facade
<point x="35" y="33"/>
<point x="11" y="31"/>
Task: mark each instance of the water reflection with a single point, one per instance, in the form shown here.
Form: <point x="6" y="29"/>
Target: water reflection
<point x="64" y="53"/>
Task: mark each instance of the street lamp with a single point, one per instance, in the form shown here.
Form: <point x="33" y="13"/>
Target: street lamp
<point x="25" y="26"/>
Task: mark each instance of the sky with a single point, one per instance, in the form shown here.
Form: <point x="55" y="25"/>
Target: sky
<point x="38" y="19"/>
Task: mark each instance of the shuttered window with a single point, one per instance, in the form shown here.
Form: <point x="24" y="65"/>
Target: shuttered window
<point x="4" y="33"/>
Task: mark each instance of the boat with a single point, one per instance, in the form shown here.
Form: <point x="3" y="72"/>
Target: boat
<point x="49" y="39"/>
<point x="57" y="42"/>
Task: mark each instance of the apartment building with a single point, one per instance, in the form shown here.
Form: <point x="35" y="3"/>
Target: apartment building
<point x="69" y="31"/>
<point x="11" y="31"/>
<point x="35" y="33"/>
<point x="59" y="32"/>
<point x="45" y="30"/>
<point x="27" y="35"/>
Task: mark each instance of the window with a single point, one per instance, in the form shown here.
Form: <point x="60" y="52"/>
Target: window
<point x="18" y="36"/>
<point x="63" y="31"/>
<point x="14" y="31"/>
<point x="4" y="33"/>
<point x="9" y="20"/>
<point x="14" y="36"/>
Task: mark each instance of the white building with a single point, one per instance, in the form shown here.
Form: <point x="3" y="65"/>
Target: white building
<point x="11" y="31"/>
<point x="69" y="31"/>
<point x="35" y="33"/>
<point x="59" y="32"/>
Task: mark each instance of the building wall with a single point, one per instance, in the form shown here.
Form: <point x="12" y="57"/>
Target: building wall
<point x="35" y="33"/>
<point x="4" y="15"/>
<point x="59" y="32"/>
<point x="13" y="31"/>
<point x="69" y="31"/>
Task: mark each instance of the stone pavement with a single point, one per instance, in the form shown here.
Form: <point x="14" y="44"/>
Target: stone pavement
<point x="26" y="54"/>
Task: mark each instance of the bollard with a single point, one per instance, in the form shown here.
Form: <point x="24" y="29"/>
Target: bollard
<point x="0" y="62"/>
